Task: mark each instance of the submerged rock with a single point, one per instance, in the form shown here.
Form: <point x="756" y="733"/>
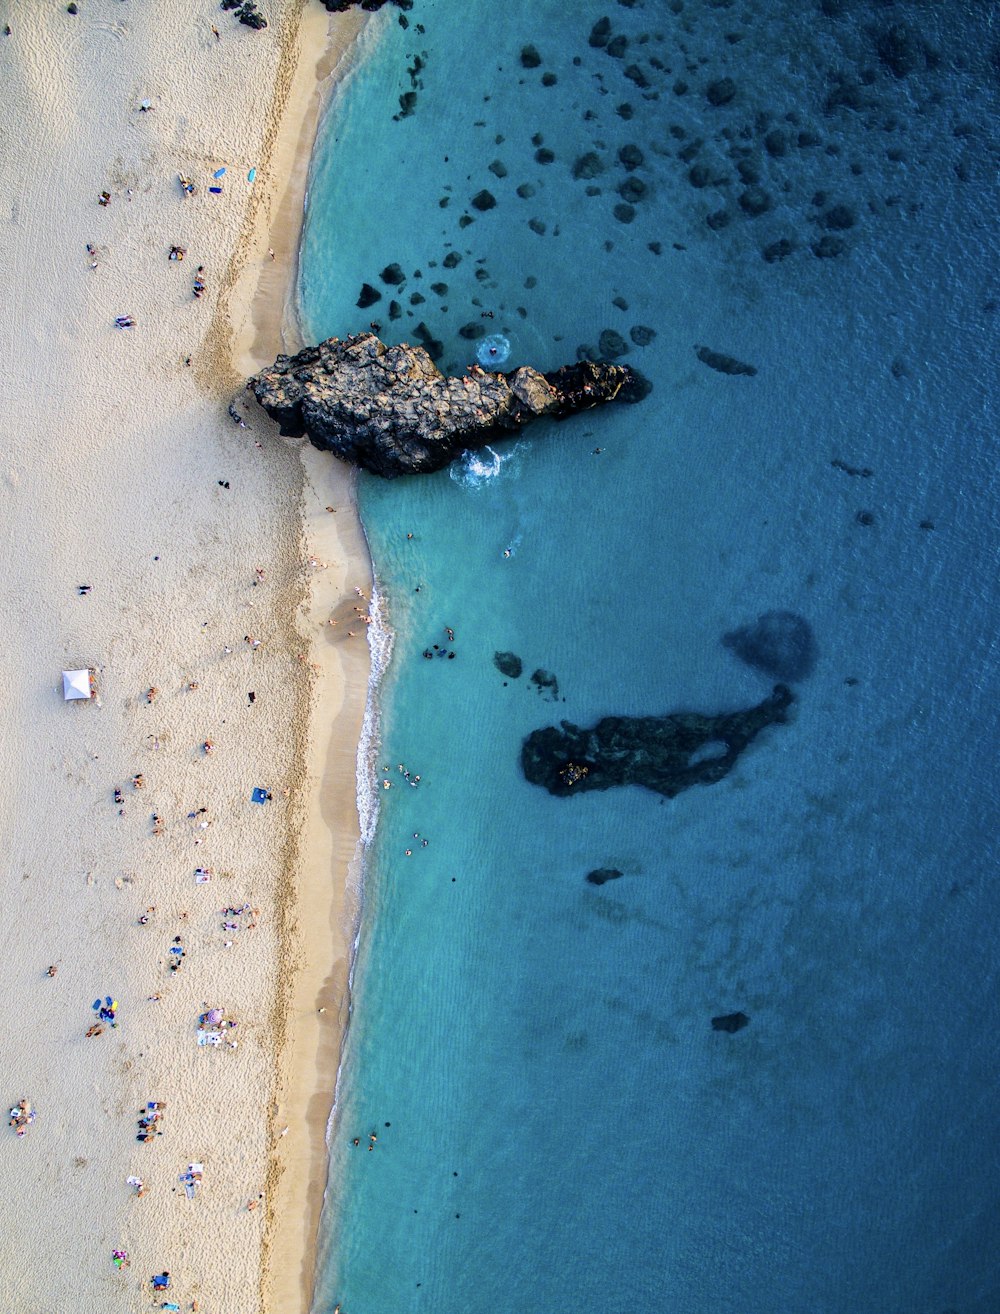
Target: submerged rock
<point x="391" y="411"/>
<point x="666" y="754"/>
<point x="716" y="360"/>
<point x="779" y="643"/>
<point x="731" y="1022"/>
<point x="602" y="875"/>
<point x="339" y="6"/>
<point x="509" y="664"/>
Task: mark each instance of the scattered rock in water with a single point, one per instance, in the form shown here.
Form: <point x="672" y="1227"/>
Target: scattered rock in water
<point x="537" y="226"/>
<point x="452" y="260"/>
<point x="498" y="169"/>
<point x="439" y="289"/>
<point x="617" y="46"/>
<point x="611" y="345"/>
<point x="546" y="682"/>
<point x="901" y="50"/>
<point x="779" y="643"/>
<point x="544" y="156"/>
<point x="530" y="58"/>
<point x="661" y="753"/>
<point x="630" y="156"/>
<point x="600" y="33"/>
<point x="588" y="166"/>
<point x="549" y="79"/>
<point x="717" y="360"/>
<point x="776" y="143"/>
<point x="603" y="874"/>
<point x="632" y="190"/>
<point x="407" y="104"/>
<point x="395" y="310"/>
<point x="625" y="111"/>
<point x="718" y="220"/>
<point x="720" y="92"/>
<point x="839" y="217"/>
<point x="856" y="471"/>
<point x="755" y="202"/>
<point x="483" y="200"/>
<point x="509" y="664"/>
<point x="624" y="213"/>
<point x="828" y="247"/>
<point x="641" y="334"/>
<point x="635" y="74"/>
<point x="731" y="1022"/>
<point x="391" y="411"/>
<point x="369" y="295"/>
<point x="393" y="275"/>
<point x="471" y="331"/>
<point x="865" y="518"/>
<point x="619" y="303"/>
<point x="779" y="250"/>
<point x="525" y="191"/>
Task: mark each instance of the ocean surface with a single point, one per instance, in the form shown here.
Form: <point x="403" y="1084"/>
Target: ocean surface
<point x="812" y="190"/>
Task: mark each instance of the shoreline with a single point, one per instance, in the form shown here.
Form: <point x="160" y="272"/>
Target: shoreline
<point x="322" y="895"/>
<point x="148" y="538"/>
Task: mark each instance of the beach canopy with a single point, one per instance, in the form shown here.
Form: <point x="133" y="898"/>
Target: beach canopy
<point x="76" y="684"/>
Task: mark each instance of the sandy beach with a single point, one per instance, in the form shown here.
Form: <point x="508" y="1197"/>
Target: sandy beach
<point x="192" y="562"/>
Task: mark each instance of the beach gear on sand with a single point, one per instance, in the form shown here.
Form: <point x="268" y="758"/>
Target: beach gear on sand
<point x="76" y="684"/>
<point x="259" y="794"/>
<point x="219" y="173"/>
<point x="252" y="175"/>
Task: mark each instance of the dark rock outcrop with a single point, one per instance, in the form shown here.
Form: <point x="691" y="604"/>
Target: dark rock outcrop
<point x="730" y="1022"/>
<point x="339" y="6"/>
<point x="391" y="411"/>
<point x="602" y="875"/>
<point x="666" y="754"/>
<point x="716" y="360"/>
<point x="779" y="643"/>
<point x="509" y="664"/>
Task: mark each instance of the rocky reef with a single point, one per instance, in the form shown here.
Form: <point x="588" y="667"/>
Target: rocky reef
<point x="731" y="1022"/>
<point x="666" y="754"/>
<point x="339" y="6"/>
<point x="391" y="411"/>
<point x="778" y="643"/>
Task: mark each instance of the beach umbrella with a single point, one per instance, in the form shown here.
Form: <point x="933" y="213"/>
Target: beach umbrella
<point x="76" y="684"/>
<point x="213" y="1016"/>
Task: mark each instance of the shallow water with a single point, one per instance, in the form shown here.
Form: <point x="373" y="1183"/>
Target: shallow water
<point x="557" y="1121"/>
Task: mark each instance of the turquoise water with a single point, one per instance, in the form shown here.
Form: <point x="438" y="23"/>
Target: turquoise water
<point x="558" y="1125"/>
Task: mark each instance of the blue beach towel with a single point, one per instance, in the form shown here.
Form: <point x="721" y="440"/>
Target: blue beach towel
<point x="259" y="795"/>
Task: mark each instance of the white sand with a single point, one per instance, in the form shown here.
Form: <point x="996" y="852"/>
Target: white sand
<point x="110" y="477"/>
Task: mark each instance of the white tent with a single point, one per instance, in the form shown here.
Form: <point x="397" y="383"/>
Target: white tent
<point x="76" y="684"/>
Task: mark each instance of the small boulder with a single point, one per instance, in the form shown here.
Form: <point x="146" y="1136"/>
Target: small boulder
<point x="720" y="92"/>
<point x="369" y="295"/>
<point x="731" y="1022"/>
<point x="509" y="664"/>
<point x="530" y="58"/>
<point x="611" y="345"/>
<point x="484" y="200"/>
<point x="602" y="875"/>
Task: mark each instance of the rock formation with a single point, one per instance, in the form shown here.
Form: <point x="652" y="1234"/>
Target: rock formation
<point x="339" y="6"/>
<point x="731" y="1022"/>
<point x="666" y="754"/>
<point x="391" y="411"/>
<point x="779" y="643"/>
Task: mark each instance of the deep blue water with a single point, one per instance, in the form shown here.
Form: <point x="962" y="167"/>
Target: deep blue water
<point x="558" y="1125"/>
